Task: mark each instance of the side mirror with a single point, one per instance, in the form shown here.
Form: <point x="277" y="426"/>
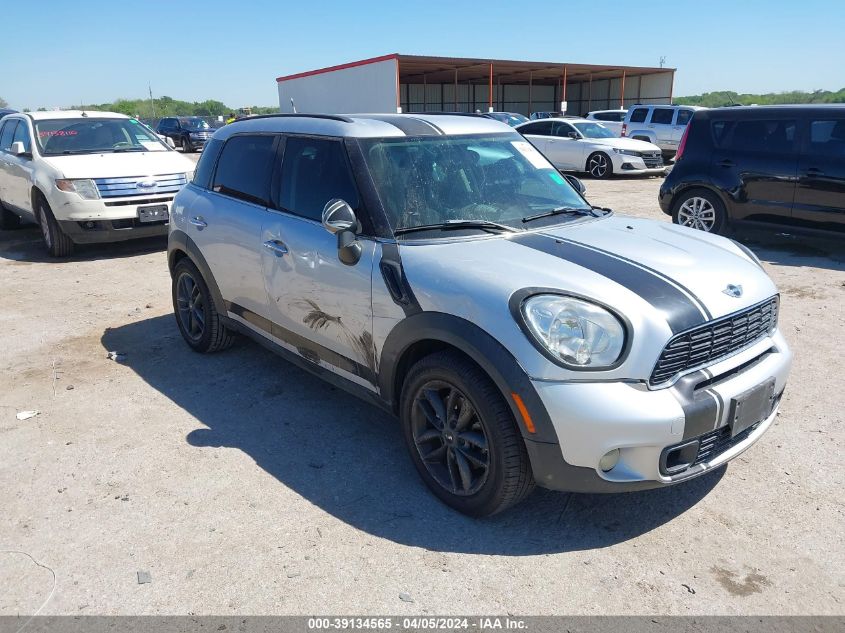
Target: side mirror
<point x="17" y="149"/>
<point x="574" y="135"/>
<point x="339" y="219"/>
<point x="576" y="183"/>
<point x="170" y="142"/>
<point x="338" y="216"/>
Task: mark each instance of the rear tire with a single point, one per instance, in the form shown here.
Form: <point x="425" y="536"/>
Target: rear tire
<point x="475" y="458"/>
<point x="700" y="209"/>
<point x="196" y="315"/>
<point x="58" y="244"/>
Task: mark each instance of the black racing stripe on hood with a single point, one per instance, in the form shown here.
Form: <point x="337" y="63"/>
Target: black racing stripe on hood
<point x="410" y="125"/>
<point x="680" y="311"/>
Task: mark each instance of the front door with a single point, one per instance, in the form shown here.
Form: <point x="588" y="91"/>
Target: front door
<point x="17" y="170"/>
<point x="820" y="194"/>
<point x="756" y="161"/>
<point x="319" y="306"/>
<point x="661" y="124"/>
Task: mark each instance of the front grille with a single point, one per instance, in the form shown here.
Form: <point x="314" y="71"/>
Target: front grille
<point x="714" y="341"/>
<point x="713" y="444"/>
<point x="125" y="187"/>
<point x="653" y="159"/>
<point x="125" y="203"/>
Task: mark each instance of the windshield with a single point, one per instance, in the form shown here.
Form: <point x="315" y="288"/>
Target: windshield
<point x="593" y="130"/>
<point x="194" y="122"/>
<point x="94" y="136"/>
<point x="498" y="178"/>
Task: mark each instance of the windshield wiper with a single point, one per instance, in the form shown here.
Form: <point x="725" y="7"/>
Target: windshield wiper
<point x="118" y="150"/>
<point x="559" y="211"/>
<point x="605" y="209"/>
<point x="486" y="225"/>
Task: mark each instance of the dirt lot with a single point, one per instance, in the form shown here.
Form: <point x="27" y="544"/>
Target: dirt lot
<point x="243" y="485"/>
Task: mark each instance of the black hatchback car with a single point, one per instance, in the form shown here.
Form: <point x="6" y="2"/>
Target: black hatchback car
<point x="782" y="166"/>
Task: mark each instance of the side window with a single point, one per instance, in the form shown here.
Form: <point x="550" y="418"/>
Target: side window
<point x="639" y="115"/>
<point x="22" y="135"/>
<point x="684" y="116"/>
<point x="765" y="136"/>
<point x="244" y="168"/>
<point x="559" y="128"/>
<point x="313" y="172"/>
<point x="617" y="116"/>
<point x="6" y="135"/>
<point x="205" y="166"/>
<point x="827" y="137"/>
<point x="662" y="116"/>
<point x="541" y="128"/>
<point x="602" y="116"/>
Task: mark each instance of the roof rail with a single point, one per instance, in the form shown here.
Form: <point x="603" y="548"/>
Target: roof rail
<point x="330" y="117"/>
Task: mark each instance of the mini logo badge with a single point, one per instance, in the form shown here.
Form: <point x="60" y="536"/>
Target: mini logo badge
<point x="733" y="290"/>
<point x="146" y="184"/>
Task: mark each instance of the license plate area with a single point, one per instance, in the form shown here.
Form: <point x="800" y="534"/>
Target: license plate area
<point x="153" y="213"/>
<point x="751" y="407"/>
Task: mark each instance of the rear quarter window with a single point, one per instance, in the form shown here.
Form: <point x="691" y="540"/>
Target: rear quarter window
<point x="207" y="161"/>
<point x="639" y="115"/>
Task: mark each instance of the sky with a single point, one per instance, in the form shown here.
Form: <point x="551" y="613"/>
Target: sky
<point x="94" y="52"/>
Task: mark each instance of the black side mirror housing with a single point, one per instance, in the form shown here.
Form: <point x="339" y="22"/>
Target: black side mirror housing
<point x="339" y="218"/>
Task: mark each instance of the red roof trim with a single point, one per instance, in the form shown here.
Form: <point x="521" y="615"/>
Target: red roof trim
<point x="320" y="71"/>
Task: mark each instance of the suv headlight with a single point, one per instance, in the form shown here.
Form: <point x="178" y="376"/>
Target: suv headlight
<point x="574" y="331"/>
<point x="83" y="186"/>
<point x="627" y="152"/>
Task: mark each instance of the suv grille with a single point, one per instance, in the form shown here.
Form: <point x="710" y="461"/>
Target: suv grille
<point x="716" y="340"/>
<point x="653" y="159"/>
<point x="124" y="187"/>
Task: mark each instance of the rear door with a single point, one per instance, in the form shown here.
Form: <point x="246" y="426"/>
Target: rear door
<point x="661" y="124"/>
<point x="319" y="306"/>
<point x="755" y="161"/>
<point x="537" y="134"/>
<point x="682" y="119"/>
<point x="820" y="192"/>
<point x="564" y="151"/>
<point x="226" y="221"/>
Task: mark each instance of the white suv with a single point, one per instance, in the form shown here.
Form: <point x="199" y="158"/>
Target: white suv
<point x="611" y="119"/>
<point x="86" y="177"/>
<point x="662" y="125"/>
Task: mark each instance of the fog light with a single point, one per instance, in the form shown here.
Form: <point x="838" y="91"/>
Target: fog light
<point x="609" y="460"/>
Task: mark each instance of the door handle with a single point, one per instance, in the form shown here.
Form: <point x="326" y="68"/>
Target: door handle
<point x="276" y="247"/>
<point x="726" y="163"/>
<point x="198" y="222"/>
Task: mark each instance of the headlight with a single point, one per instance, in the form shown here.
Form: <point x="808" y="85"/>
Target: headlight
<point x="627" y="152"/>
<point x="575" y="331"/>
<point x="84" y="187"/>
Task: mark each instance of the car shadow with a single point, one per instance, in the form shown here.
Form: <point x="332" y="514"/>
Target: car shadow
<point x="348" y="457"/>
<point x="26" y="245"/>
<point x="788" y="249"/>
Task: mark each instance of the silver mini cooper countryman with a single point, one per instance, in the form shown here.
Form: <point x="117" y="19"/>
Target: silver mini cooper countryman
<point x="440" y="267"/>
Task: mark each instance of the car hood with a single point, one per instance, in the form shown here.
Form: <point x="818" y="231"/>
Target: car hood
<point x="625" y="143"/>
<point x="110" y="165"/>
<point x="656" y="270"/>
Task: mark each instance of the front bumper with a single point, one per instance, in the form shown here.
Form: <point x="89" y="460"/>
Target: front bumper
<point x="625" y="164"/>
<point x="102" y="231"/>
<point x="593" y="418"/>
<point x="110" y="220"/>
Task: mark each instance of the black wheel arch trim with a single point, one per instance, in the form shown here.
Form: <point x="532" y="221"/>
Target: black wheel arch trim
<point x="488" y="353"/>
<point x="179" y="241"/>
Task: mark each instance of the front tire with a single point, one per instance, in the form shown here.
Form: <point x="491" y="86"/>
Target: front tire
<point x="599" y="165"/>
<point x="700" y="209"/>
<point x="462" y="436"/>
<point x="187" y="146"/>
<point x="58" y="244"/>
<point x="196" y="315"/>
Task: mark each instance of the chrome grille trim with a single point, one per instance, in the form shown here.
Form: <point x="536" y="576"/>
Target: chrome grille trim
<point x="715" y="341"/>
<point x="128" y="186"/>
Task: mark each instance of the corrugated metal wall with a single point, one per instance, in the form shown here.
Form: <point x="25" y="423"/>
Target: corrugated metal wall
<point x="366" y="88"/>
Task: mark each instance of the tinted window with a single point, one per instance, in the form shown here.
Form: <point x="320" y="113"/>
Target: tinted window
<point x="827" y="137"/>
<point x="244" y="168"/>
<point x="542" y="128"/>
<point x="754" y="135"/>
<point x="662" y="116"/>
<point x="205" y="166"/>
<point x="313" y="172"/>
<point x="6" y="135"/>
<point x="22" y="135"/>
<point x="639" y="115"/>
<point x="609" y="116"/>
<point x="684" y="116"/>
<point x="559" y="128"/>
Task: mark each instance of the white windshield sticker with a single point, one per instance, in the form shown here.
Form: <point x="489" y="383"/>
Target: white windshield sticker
<point x="530" y="152"/>
<point x="153" y="146"/>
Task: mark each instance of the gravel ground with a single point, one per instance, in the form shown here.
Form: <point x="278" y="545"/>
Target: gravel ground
<point x="243" y="485"/>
